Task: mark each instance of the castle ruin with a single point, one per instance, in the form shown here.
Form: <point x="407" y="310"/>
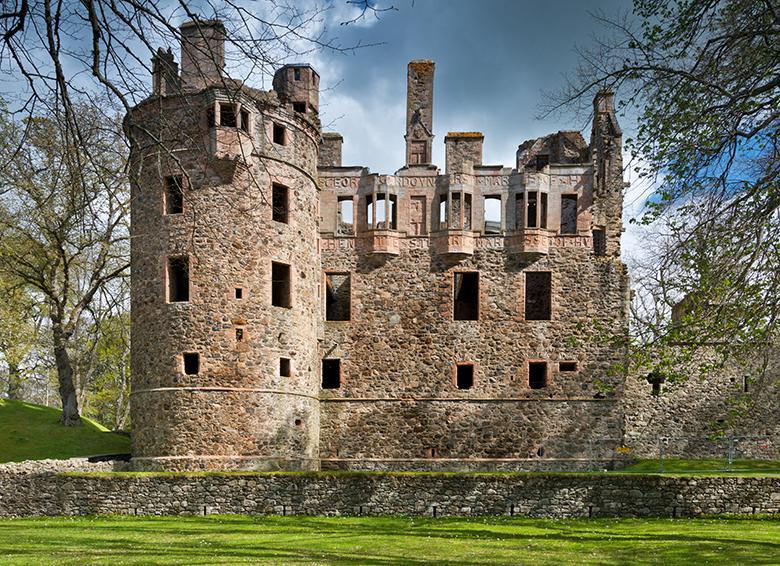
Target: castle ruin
<point x="291" y="312"/>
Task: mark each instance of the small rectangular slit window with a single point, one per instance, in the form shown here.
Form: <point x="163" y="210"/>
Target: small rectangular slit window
<point x="239" y="334"/>
<point x="191" y="363"/>
<point x="174" y="195"/>
<point x="464" y="377"/>
<point x="465" y="289"/>
<point x="543" y="210"/>
<point x="227" y="115"/>
<point x="599" y="242"/>
<point x="532" y="209"/>
<point x="567" y="366"/>
<point x="284" y="367"/>
<point x="331" y="373"/>
<point x="239" y="293"/>
<point x="280" y="285"/>
<point x="568" y="214"/>
<point x="519" y="210"/>
<point x="279" y="134"/>
<point x="245" y="121"/>
<point x="338" y="296"/>
<point x="538" y="295"/>
<point x="537" y="375"/>
<point x="178" y="279"/>
<point x="280" y="203"/>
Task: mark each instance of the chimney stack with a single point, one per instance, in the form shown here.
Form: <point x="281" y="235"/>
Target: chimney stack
<point x="419" y="112"/>
<point x="202" y="53"/>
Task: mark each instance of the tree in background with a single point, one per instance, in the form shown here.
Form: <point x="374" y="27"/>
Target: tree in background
<point x="20" y="321"/>
<point x="702" y="78"/>
<point x="64" y="224"/>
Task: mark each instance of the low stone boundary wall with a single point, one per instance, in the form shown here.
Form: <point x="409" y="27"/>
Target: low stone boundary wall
<point x="432" y="494"/>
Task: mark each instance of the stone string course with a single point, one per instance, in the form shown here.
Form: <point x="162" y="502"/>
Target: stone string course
<point x="543" y="495"/>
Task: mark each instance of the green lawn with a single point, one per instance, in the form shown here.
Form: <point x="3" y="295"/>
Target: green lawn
<point x="385" y="540"/>
<point x="33" y="432"/>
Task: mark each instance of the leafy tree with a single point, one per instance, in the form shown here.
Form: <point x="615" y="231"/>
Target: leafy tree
<point x="19" y="336"/>
<point x="702" y="79"/>
<point x="63" y="224"/>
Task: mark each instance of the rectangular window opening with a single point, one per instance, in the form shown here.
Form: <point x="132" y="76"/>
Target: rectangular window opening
<point x="537" y="375"/>
<point x="466" y="295"/>
<point x="493" y="215"/>
<point x="568" y="214"/>
<point x="530" y="221"/>
<point x="174" y="195"/>
<point x="299" y="107"/>
<point x="191" y="363"/>
<point x="331" y="373"/>
<point x="337" y="300"/>
<point x="538" y="295"/>
<point x="239" y="334"/>
<point x="443" y="212"/>
<point x="519" y="210"/>
<point x="280" y="285"/>
<point x="239" y="293"/>
<point x="567" y="366"/>
<point x="284" y="367"/>
<point x="543" y="211"/>
<point x="297" y="74"/>
<point x="210" y="117"/>
<point x="227" y="115"/>
<point x="178" y="279"/>
<point x="279" y="134"/>
<point x="245" y="120"/>
<point x="599" y="242"/>
<point x="464" y="378"/>
<point x="467" y="211"/>
<point x="346" y="222"/>
<point x="454" y="217"/>
<point x="280" y="203"/>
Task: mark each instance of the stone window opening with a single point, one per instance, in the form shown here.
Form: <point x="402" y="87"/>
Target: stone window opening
<point x="536" y="213"/>
<point x="331" y="373"/>
<point x="538" y="295"/>
<point x="418" y="154"/>
<point x="279" y="136"/>
<point x="280" y="285"/>
<point x="537" y="375"/>
<point x="519" y="210"/>
<point x="568" y="214"/>
<point x="383" y="216"/>
<point x="299" y="107"/>
<point x="280" y="203"/>
<point x="285" y="369"/>
<point x="465" y="291"/>
<point x="297" y="74"/>
<point x="464" y="376"/>
<point x="240" y="334"/>
<point x="245" y="120"/>
<point x="492" y="214"/>
<point x="178" y="278"/>
<point x="745" y="384"/>
<point x="174" y="195"/>
<point x="191" y="363"/>
<point x="599" y="242"/>
<point x="443" y="212"/>
<point x="227" y="115"/>
<point x="238" y="293"/>
<point x="432" y="453"/>
<point x="567" y="366"/>
<point x="337" y="296"/>
<point x="345" y="221"/>
<point x="456" y="213"/>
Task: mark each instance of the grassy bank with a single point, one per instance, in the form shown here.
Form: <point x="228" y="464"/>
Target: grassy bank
<point x="385" y="540"/>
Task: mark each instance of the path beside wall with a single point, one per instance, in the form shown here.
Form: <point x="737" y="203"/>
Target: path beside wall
<point x="538" y="495"/>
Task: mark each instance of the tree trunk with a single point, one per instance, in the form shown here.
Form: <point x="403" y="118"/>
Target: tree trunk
<point x="14" y="381"/>
<point x="70" y="404"/>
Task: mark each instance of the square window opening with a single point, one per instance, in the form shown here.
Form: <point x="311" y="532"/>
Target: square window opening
<point x="279" y="134"/>
<point x="191" y="363"/>
<point x="174" y="195"/>
<point x="331" y="373"/>
<point x="567" y="366"/>
<point x="538" y="295"/>
<point x="178" y="279"/>
<point x="537" y="375"/>
<point x="466" y="295"/>
<point x="284" y="367"/>
<point x="280" y="203"/>
<point x="464" y="377"/>
<point x="227" y="115"/>
<point x="569" y="214"/>
<point x="338" y="296"/>
<point x="299" y="107"/>
<point x="280" y="285"/>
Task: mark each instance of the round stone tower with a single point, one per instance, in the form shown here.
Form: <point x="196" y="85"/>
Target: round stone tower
<point x="225" y="269"/>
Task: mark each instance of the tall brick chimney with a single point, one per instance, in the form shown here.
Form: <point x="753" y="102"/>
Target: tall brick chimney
<point x="202" y="53"/>
<point x="419" y="112"/>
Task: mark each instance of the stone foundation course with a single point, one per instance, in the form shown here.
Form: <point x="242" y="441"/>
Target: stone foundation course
<point x="359" y="493"/>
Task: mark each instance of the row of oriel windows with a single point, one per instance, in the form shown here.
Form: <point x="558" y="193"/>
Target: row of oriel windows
<point x="338" y="291"/>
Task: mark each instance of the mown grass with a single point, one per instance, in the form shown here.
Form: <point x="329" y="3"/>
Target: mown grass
<point x="387" y="540"/>
<point x="33" y="432"/>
